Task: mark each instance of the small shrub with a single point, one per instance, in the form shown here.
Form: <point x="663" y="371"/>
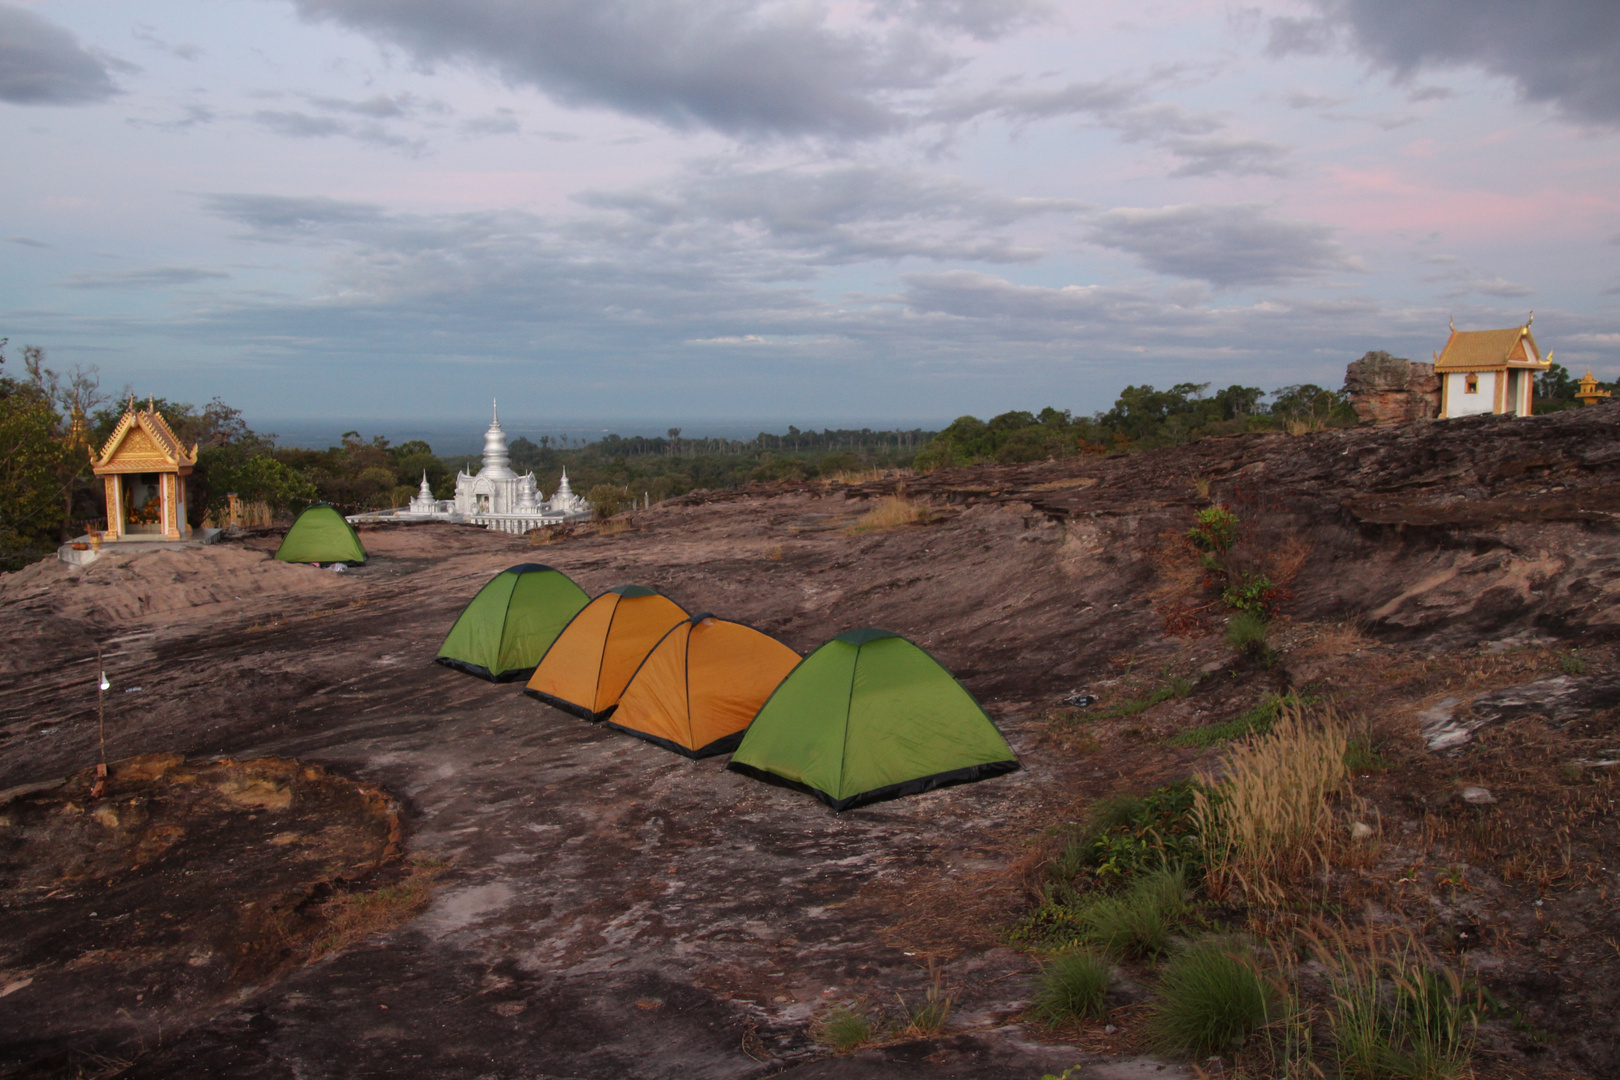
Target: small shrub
<point x="1072" y="986"/>
<point x="1214" y="529"/>
<point x="1255" y="594"/>
<point x="1210" y="998"/>
<point x="843" y="1029"/>
<point x="607" y="499"/>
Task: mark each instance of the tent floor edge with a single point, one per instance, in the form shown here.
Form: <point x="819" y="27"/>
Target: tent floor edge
<point x="778" y="780"/>
<point x="966" y="775"/>
<point x="663" y="743"/>
<point x="466" y="668"/>
<point x="558" y="703"/>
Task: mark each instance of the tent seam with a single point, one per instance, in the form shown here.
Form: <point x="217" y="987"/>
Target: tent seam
<point x="849" y="704"/>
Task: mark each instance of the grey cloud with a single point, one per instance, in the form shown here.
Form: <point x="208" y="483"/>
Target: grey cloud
<point x="1467" y="279"/>
<point x="155" y="277"/>
<point x="280" y="214"/>
<point x="1124" y="106"/>
<point x="381" y="106"/>
<point x="835" y="216"/>
<point x="1227" y="246"/>
<point x="297" y="125"/>
<point x="499" y="122"/>
<point x="1305" y="99"/>
<point x="194" y="116"/>
<point x="1239" y="157"/>
<point x="26" y="242"/>
<point x="740" y="66"/>
<point x="1430" y="93"/>
<point x="1562" y="52"/>
<point x="982" y="19"/>
<point x="43" y="64"/>
<point x="1312" y="37"/>
<point x="184" y="50"/>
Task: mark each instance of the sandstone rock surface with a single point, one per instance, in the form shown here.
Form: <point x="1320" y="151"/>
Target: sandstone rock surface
<point x="1386" y="389"/>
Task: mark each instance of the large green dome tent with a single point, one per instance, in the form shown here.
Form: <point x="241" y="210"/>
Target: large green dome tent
<point x="871" y="716"/>
<point x="320" y="535"/>
<point x="505" y="630"/>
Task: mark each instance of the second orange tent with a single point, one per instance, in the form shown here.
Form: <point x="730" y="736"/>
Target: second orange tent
<point x="587" y="667"/>
<point x="701" y="685"/>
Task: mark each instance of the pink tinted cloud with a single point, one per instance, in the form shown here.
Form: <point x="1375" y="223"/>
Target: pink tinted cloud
<point x="1386" y="200"/>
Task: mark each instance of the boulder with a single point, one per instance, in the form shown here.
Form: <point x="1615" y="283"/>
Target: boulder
<point x="1386" y="389"/>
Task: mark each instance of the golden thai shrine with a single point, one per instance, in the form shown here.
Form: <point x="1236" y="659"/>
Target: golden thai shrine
<point x="1589" y="392"/>
<point x="144" y="467"/>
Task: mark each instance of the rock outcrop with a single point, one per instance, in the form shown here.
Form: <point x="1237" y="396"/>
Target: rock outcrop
<point x="1385" y="389"/>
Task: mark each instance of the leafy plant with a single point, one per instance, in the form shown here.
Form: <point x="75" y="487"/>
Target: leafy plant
<point x="1210" y="998"/>
<point x="1255" y="594"/>
<point x="1072" y="986"/>
<point x="1214" y="530"/>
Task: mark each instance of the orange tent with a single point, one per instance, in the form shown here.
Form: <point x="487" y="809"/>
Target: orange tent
<point x="587" y="667"/>
<point x="701" y="685"/>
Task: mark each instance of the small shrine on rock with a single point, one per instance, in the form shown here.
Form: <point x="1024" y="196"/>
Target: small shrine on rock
<point x="1589" y="393"/>
<point x="145" y="468"/>
<point x="1489" y="371"/>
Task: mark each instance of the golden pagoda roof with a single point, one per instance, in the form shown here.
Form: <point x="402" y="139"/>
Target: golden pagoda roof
<point x="1475" y="350"/>
<point x="143" y="442"/>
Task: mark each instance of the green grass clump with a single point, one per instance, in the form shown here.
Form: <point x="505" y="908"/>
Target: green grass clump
<point x="1175" y="688"/>
<point x="1361" y="756"/>
<point x="1572" y="663"/>
<point x="1257" y="721"/>
<point x="1072" y="986"/>
<point x="1138" y="922"/>
<point x="1210" y="998"/>
<point x="844" y="1029"/>
<point x="1246" y="632"/>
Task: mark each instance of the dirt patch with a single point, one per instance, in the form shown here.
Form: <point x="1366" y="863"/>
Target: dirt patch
<point x="171" y="891"/>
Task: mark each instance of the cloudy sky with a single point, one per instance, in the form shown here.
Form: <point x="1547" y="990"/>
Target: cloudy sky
<point x="678" y="210"/>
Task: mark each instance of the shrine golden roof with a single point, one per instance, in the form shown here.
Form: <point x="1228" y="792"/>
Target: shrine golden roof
<point x="1472" y="350"/>
<point x="143" y="442"/>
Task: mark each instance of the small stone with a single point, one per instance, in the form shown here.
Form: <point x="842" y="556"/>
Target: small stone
<point x="1361" y="831"/>
<point x="1109" y="1029"/>
<point x="1476" y="795"/>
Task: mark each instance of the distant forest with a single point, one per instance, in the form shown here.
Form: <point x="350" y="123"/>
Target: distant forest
<point x="48" y="420"/>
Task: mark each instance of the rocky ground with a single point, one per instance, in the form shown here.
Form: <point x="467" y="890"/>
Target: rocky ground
<point x="569" y="902"/>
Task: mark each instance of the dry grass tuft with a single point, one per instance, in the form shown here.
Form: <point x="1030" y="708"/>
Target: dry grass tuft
<point x="351" y="917"/>
<point x="773" y="552"/>
<point x="893" y="512"/>
<point x="1267" y="821"/>
<point x="613" y="526"/>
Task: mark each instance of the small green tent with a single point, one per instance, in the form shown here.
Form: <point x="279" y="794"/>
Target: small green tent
<point x="870" y="716"/>
<point x="505" y="630"/>
<point x="320" y="535"/>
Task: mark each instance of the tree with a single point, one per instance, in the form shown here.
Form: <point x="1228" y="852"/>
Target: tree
<point x="37" y="464"/>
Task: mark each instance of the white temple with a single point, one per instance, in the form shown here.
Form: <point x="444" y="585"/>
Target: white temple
<point x="494" y="497"/>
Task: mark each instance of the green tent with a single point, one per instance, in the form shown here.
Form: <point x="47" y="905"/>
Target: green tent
<point x="509" y="625"/>
<point x="320" y="535"/>
<point x="870" y="716"/>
